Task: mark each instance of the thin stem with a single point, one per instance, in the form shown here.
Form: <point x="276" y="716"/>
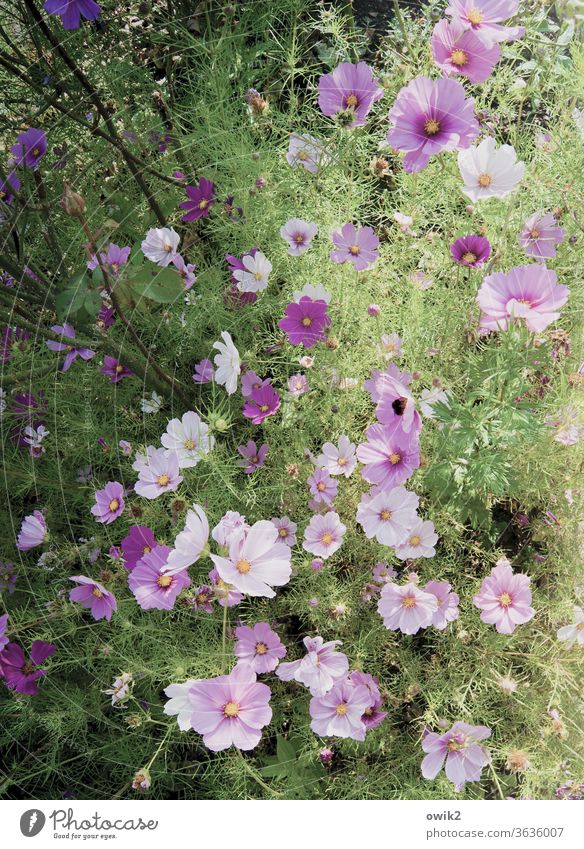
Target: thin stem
<point x="402" y="26"/>
<point x="224" y="639"/>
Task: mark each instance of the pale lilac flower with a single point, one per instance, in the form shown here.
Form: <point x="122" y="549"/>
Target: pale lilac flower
<point x="314" y="292"/>
<point x="120" y="689"/>
<point x="33" y="437"/>
<point x="457" y="50"/>
<point x="396" y="404"/>
<point x="350" y="90"/>
<point x="223" y="591"/>
<point x="254" y="276"/>
<point x="93" y="595"/>
<point x="389" y="346"/>
<point x="572" y="634"/>
<point x="319" y="669"/>
<point x="406" y="608"/>
<point x="419" y="542"/>
<point x="152" y="588"/>
<point x="339" y="712"/>
<point x="447" y="603"/>
<point x="324" y="535"/>
<point x="204" y="372"/>
<point x="298" y="385"/>
<point x="115" y="258"/>
<point x="568" y="424"/>
<point x="161" y="245"/>
<point x="227" y="362"/>
<point x="152" y="404"/>
<point x="109" y="503"/>
<point x="360" y="246"/>
<point x="229" y="526"/>
<point x="251" y="381"/>
<point x="259" y="647"/>
<point x="388" y="516"/>
<point x="186" y="270"/>
<point x="187" y="438"/>
<point x="465" y="757"/>
<point x="528" y="292"/>
<point x="488" y="171"/>
<point x="257" y="561"/>
<point x="338" y="460"/>
<point x="299" y="235"/>
<point x="3" y="628"/>
<point x="484" y="16"/>
<point x="390" y="456"/>
<point x="159" y="474"/>
<point x="404" y="222"/>
<point x="202" y="598"/>
<point x="382" y="573"/>
<point x="429" y="397"/>
<point x="253" y="457"/>
<point x="372" y="716"/>
<point x="540" y="235"/>
<point x="307" y="151"/>
<point x="190" y="543"/>
<point x="286" y="530"/>
<point x="504" y="598"/>
<point x="322" y="487"/>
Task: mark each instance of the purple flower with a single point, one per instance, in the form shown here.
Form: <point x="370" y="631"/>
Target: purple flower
<point x="319" y="669"/>
<point x="224" y="591"/>
<point x="262" y="402"/>
<point x="33" y="532"/>
<point x="396" y="404"/>
<point x="324" y="535"/>
<point x="307" y="151"/>
<point x="8" y="577"/>
<point x="185" y="270"/>
<point x="93" y="595"/>
<point x="465" y="757"/>
<point x="447" y="603"/>
<point x="406" y="608"/>
<point x="202" y="598"/>
<point x="21" y="674"/>
<point x="429" y="117"/>
<point x="349" y="89"/>
<point x="113" y="260"/>
<point x="339" y="712"/>
<point x="139" y="541"/>
<point x="298" y="385"/>
<point x="105" y="317"/>
<point x="472" y="251"/>
<point x="505" y="598"/>
<point x="388" y="515"/>
<point x="483" y="16"/>
<point x="529" y="292"/>
<point x="259" y="647"/>
<point x="200" y="200"/>
<point x="304" y="322"/>
<point x="540" y="235"/>
<point x="254" y="457"/>
<point x="30" y="148"/>
<point x="382" y="573"/>
<point x="115" y="370"/>
<point x="72" y="352"/>
<point x="372" y="716"/>
<point x="152" y="588"/>
<point x="457" y="50"/>
<point x="359" y="246"/>
<point x="204" y="372"/>
<point x="250" y="381"/>
<point x="9" y="187"/>
<point x="299" y="235"/>
<point x="158" y="474"/>
<point x="3" y="629"/>
<point x="286" y="530"/>
<point x="109" y="503"/>
<point x="71" y="11"/>
<point x="390" y="456"/>
<point x="323" y="487"/>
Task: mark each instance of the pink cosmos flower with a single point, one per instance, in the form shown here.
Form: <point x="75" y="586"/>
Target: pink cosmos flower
<point x="339" y="712"/>
<point x="390" y="456"/>
<point x="359" y="246"/>
<point x="139" y="541"/>
<point x="372" y="716"/>
<point x="324" y="535"/>
<point x="299" y="235"/>
<point x="457" y="50"/>
<point x="429" y="117"/>
<point x="3" y="629"/>
<point x="388" y="515"/>
<point x="447" y="610"/>
<point x="109" y="503"/>
<point x="396" y="405"/>
<point x="159" y="474"/>
<point x="322" y="487"/>
<point x="339" y="460"/>
<point x="115" y="258"/>
<point x="190" y="543"/>
<point x="259" y="647"/>
<point x="204" y="372"/>
<point x="261" y="403"/>
<point x="472" y="251"/>
<point x="505" y="598"/>
<point x="465" y="757"/>
<point x="200" y="200"/>
<point x="383" y="573"/>
<point x="349" y="89"/>
<point x="251" y="381"/>
<point x="115" y="370"/>
<point x="257" y="561"/>
<point x="223" y="591"/>
<point x="202" y="598"/>
<point x="21" y="674"/>
<point x="33" y="531"/>
<point x="406" y="608"/>
<point x="230" y="710"/>
<point x="539" y="236"/>
<point x="529" y="292"/>
<point x="229" y="526"/>
<point x="375" y="384"/>
<point x="186" y="271"/>
<point x="319" y="669"/>
<point x="419" y="542"/>
<point x="254" y="457"/>
<point x="298" y="385"/>
<point x="483" y="17"/>
<point x="152" y="588"/>
<point x="72" y="352"/>
<point x="305" y="322"/>
<point x="286" y="530"/>
<point x="93" y="595"/>
<point x="307" y="151"/>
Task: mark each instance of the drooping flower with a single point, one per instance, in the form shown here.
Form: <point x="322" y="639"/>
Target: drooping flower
<point x="319" y="669"/>
<point x="447" y="610"/>
<point x="254" y="275"/>
<point x="305" y="322"/>
<point x="572" y="634"/>
<point x="286" y="530"/>
<point x="388" y="515"/>
<point x="227" y="362"/>
<point x="429" y="117"/>
<point x="115" y="370"/>
<point x="261" y="403"/>
<point x="298" y="385"/>
<point x="257" y="561"/>
<point x="259" y="647"/>
<point x="350" y="90"/>
<point x="419" y="542"/>
<point x="158" y="474"/>
<point x="188" y="438"/>
<point x="299" y="235"/>
<point x="93" y="595"/>
<point x="253" y="457"/>
<point x="488" y="171"/>
<point x="109" y="503"/>
<point x="71" y="11"/>
<point x="33" y="531"/>
<point x="30" y="147"/>
<point x="406" y="608"/>
<point x="152" y="588"/>
<point x="33" y="437"/>
<point x="484" y="16"/>
<point x="390" y="456"/>
<point x="186" y="271"/>
<point x="322" y="487"/>
<point x="21" y="674"/>
<point x="360" y="246"/>
<point x="307" y="151"/>
<point x="190" y="543"/>
<point x="505" y="598"/>
<point x="372" y="716"/>
<point x="139" y="541"/>
<point x="204" y="372"/>
<point x="161" y="245"/>
<point x="338" y="460"/>
<point x="339" y="712"/>
<point x="540" y="235"/>
<point x="472" y="251"/>
<point x="457" y="50"/>
<point x="200" y="200"/>
<point x="465" y="757"/>
<point x="324" y="535"/>
<point x="528" y="292"/>
<point x="230" y="710"/>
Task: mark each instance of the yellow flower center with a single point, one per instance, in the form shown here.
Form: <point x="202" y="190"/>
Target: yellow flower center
<point x="580" y="626"/>
<point x="458" y="57"/>
<point x="243" y="566"/>
<point x="302" y="155"/>
<point x="97" y="592"/>
<point x="355" y="250"/>
<point x="341" y="709"/>
<point x="321" y="486"/>
<point x="475" y="16"/>
<point x="168" y="248"/>
<point x="505" y="600"/>
<point x="264" y="408"/>
<point x="163" y="480"/>
<point x="431" y="127"/>
<point x="36" y="151"/>
<point x="535" y="234"/>
<point x="485" y="180"/>
<point x="415" y="540"/>
<point x="261" y="648"/>
<point x="394" y="458"/>
<point x="164" y="581"/>
<point x="385" y="515"/>
<point x="203" y="203"/>
<point x="409" y="601"/>
<point x="453" y="746"/>
<point x="257" y="275"/>
<point x="283" y="533"/>
<point x="113" y="505"/>
<point x="299" y="238"/>
<point x="326" y="538"/>
<point x="352" y="101"/>
<point x="190" y="444"/>
<point x="342" y="461"/>
<point x="306" y="321"/>
<point x="119" y="368"/>
<point x="469" y="257"/>
<point x="231" y="709"/>
<point x="147" y="549"/>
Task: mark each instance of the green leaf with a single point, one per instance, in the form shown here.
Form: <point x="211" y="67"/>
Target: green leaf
<point x="164" y="285"/>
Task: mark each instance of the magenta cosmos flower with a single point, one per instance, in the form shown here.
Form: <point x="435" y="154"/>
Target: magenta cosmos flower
<point x="484" y="16"/>
<point x="93" y="595"/>
<point x="139" y="541"/>
<point x="388" y="515"/>
<point x="257" y="561"/>
<point x="324" y="535"/>
<point x="406" y="608"/>
<point x="465" y="757"/>
<point x="540" y="235"/>
<point x="261" y="403"/>
<point x="158" y="474"/>
<point x="259" y="647"/>
<point x="21" y="674"/>
<point x="322" y="487"/>
<point x="319" y="669"/>
<point x="457" y="50"/>
<point x="30" y="148"/>
<point x="299" y="235"/>
<point x="357" y="245"/>
<point x="72" y="352"/>
<point x="33" y="531"/>
<point x="349" y="89"/>
<point x="390" y="456"/>
<point x="71" y="11"/>
<point x="230" y="710"/>
<point x="339" y="712"/>
<point x="9" y="187"/>
<point x="505" y="599"/>
<point x="109" y="503"/>
<point x="200" y="200"/>
<point x="419" y="542"/>
<point x="447" y="610"/>
<point x="253" y="457"/>
<point x="115" y="258"/>
<point x="305" y="322"/>
<point x="115" y="370"/>
<point x="529" y="292"/>
<point x="472" y="251"/>
<point x="152" y="588"/>
<point x="429" y="117"/>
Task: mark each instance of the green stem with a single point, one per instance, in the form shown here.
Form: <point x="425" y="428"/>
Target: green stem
<point x="224" y="639"/>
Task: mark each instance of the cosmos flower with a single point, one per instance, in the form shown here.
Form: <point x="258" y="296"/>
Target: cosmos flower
<point x="200" y="200"/>
<point x="429" y="117"/>
<point x="202" y="598"/>
<point x="338" y="460"/>
<point x="30" y="148"/>
<point x="179" y="704"/>
<point x="305" y="322"/>
<point x="383" y="573"/>
<point x="406" y="608"/>
<point x="161" y="245"/>
<point x="150" y="405"/>
<point x="33" y="531"/>
<point x="504" y="598"/>
<point x="21" y="674"/>
<point x="257" y="561"/>
<point x="388" y="515"/>
<point x="360" y="246"/>
<point x="3" y="629"/>
<point x="339" y="712"/>
<point x="113" y="260"/>
<point x="224" y="592"/>
<point x="322" y="487"/>
<point x="299" y="235"/>
<point x="372" y="716"/>
<point x="254" y="275"/>
<point x="324" y="535"/>
<point x="186" y="271"/>
<point x="153" y="589"/>
<point x="115" y="370"/>
<point x="261" y="403"/>
<point x="204" y="372"/>
<point x="9" y="187"/>
<point x="253" y="457"/>
<point x="227" y="363"/>
<point x="447" y="610"/>
<point x="298" y="385"/>
<point x="314" y="292"/>
<point x="71" y="11"/>
<point x="319" y="669"/>
<point x="286" y="529"/>
<point x="158" y="474"/>
<point x="396" y="405"/>
<point x="457" y="50"/>
<point x="93" y="595"/>
<point x="190" y="543"/>
<point x="140" y="540"/>
<point x="488" y="171"/>
<point x="528" y="292"/>
<point x="568" y="424"/>
<point x="188" y="438"/>
<point x="259" y="647"/>
<point x="419" y="542"/>
<point x="472" y="251"/>
<point x="390" y="456"/>
<point x="109" y="503"/>
<point x="540" y="235"/>
<point x="460" y="747"/>
<point x="349" y="89"/>
<point x="307" y="151"/>
<point x="389" y="346"/>
<point x="484" y="16"/>
<point x="574" y="633"/>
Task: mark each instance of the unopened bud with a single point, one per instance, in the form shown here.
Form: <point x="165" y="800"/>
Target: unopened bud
<point x="72" y="202"/>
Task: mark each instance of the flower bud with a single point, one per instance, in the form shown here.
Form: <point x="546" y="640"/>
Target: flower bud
<point x="72" y="202"/>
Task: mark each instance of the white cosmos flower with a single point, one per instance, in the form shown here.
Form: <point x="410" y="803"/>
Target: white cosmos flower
<point x="315" y="293"/>
<point x="189" y="544"/>
<point x="188" y="438"/>
<point x="572" y="634"/>
<point x="488" y="171"/>
<point x="161" y="245"/>
<point x="179" y="703"/>
<point x="429" y="397"/>
<point x="152" y="404"/>
<point x="254" y="277"/>
<point x="227" y="362"/>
